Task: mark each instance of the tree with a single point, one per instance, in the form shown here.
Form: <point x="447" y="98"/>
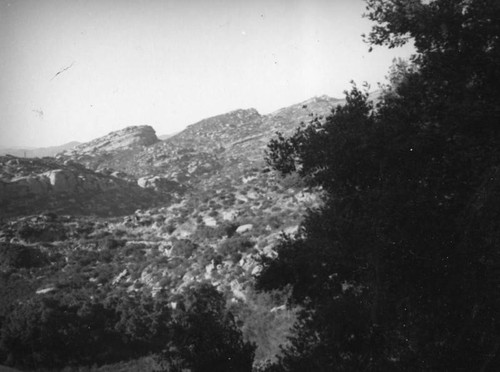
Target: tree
<point x="204" y="336"/>
<point x="41" y="332"/>
<point x="51" y="331"/>
<point x="399" y="268"/>
<point x="329" y="264"/>
<point x="20" y="256"/>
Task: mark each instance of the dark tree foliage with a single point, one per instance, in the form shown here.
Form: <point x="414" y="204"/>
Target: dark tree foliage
<point x="400" y="267"/>
<point x="183" y="248"/>
<point x="234" y="247"/>
<point x="20" y="256"/>
<point x="53" y="331"/>
<point x="204" y="336"/>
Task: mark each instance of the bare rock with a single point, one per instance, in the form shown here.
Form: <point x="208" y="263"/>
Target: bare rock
<point x="244" y="228"/>
<point x="130" y="137"/>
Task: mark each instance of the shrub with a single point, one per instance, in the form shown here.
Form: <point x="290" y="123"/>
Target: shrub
<point x="136" y="249"/>
<point x="41" y="233"/>
<point x="204" y="336"/>
<point x="183" y="248"/>
<point x="227" y="229"/>
<point x="234" y="247"/>
<point x="119" y="233"/>
<point x="206" y="232"/>
<point x="170" y="228"/>
<point x="292" y="180"/>
<point x="110" y="243"/>
<point x="20" y="256"/>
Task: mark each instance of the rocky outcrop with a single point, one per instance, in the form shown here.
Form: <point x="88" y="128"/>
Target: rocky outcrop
<point x="124" y="139"/>
<point x="214" y="147"/>
<point x="161" y="184"/>
<point x="57" y="181"/>
<point x="221" y="144"/>
<point x="32" y="185"/>
<point x="244" y="228"/>
<point x="114" y="150"/>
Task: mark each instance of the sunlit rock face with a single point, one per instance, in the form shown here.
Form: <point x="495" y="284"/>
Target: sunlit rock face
<point x="124" y="139"/>
<point x="62" y="180"/>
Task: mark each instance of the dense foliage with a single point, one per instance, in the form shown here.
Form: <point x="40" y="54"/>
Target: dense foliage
<point x="54" y="331"/>
<point x="131" y="299"/>
<point x="204" y="336"/>
<point x="399" y="269"/>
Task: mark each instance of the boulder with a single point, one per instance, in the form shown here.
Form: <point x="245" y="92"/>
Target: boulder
<point x="229" y="215"/>
<point x="143" y="182"/>
<point x="244" y="228"/>
<point x="209" y="221"/>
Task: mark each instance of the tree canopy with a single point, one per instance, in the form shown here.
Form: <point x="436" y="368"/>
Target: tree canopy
<point x="399" y="269"/>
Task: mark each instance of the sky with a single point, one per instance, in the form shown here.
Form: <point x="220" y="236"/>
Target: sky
<point x="74" y="70"/>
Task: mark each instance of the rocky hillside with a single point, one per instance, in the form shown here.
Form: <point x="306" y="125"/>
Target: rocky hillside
<point x="34" y="185"/>
<point x="131" y="168"/>
<point x="209" y="148"/>
<point x="195" y="185"/>
<point x="124" y="139"/>
<point x="107" y="151"/>
<point x="198" y="207"/>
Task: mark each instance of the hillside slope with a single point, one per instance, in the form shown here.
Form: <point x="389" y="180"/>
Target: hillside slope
<point x="33" y="185"/>
<point x="210" y="208"/>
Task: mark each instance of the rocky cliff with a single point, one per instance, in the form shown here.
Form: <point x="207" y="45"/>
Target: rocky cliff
<point x="109" y="150"/>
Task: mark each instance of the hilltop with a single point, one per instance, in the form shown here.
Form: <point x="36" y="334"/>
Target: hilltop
<point x="237" y="138"/>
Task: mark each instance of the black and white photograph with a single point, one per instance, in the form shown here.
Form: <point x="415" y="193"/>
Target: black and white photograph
<point x="249" y="186"/>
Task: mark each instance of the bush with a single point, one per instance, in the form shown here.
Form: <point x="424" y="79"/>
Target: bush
<point x="204" y="336"/>
<point x="170" y="228"/>
<point x="183" y="248"/>
<point x="41" y="233"/>
<point x="20" y="256"/>
<point x="235" y="247"/>
<point x="292" y="180"/>
<point x="226" y="229"/>
<point x="51" y="332"/>
<point x="136" y="249"/>
<point x="206" y="232"/>
<point x="110" y="243"/>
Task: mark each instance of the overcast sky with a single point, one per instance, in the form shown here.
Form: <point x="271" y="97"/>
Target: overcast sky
<point x="78" y="69"/>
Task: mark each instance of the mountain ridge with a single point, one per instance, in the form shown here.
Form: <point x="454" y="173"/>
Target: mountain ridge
<point x="214" y="153"/>
<point x="223" y="139"/>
